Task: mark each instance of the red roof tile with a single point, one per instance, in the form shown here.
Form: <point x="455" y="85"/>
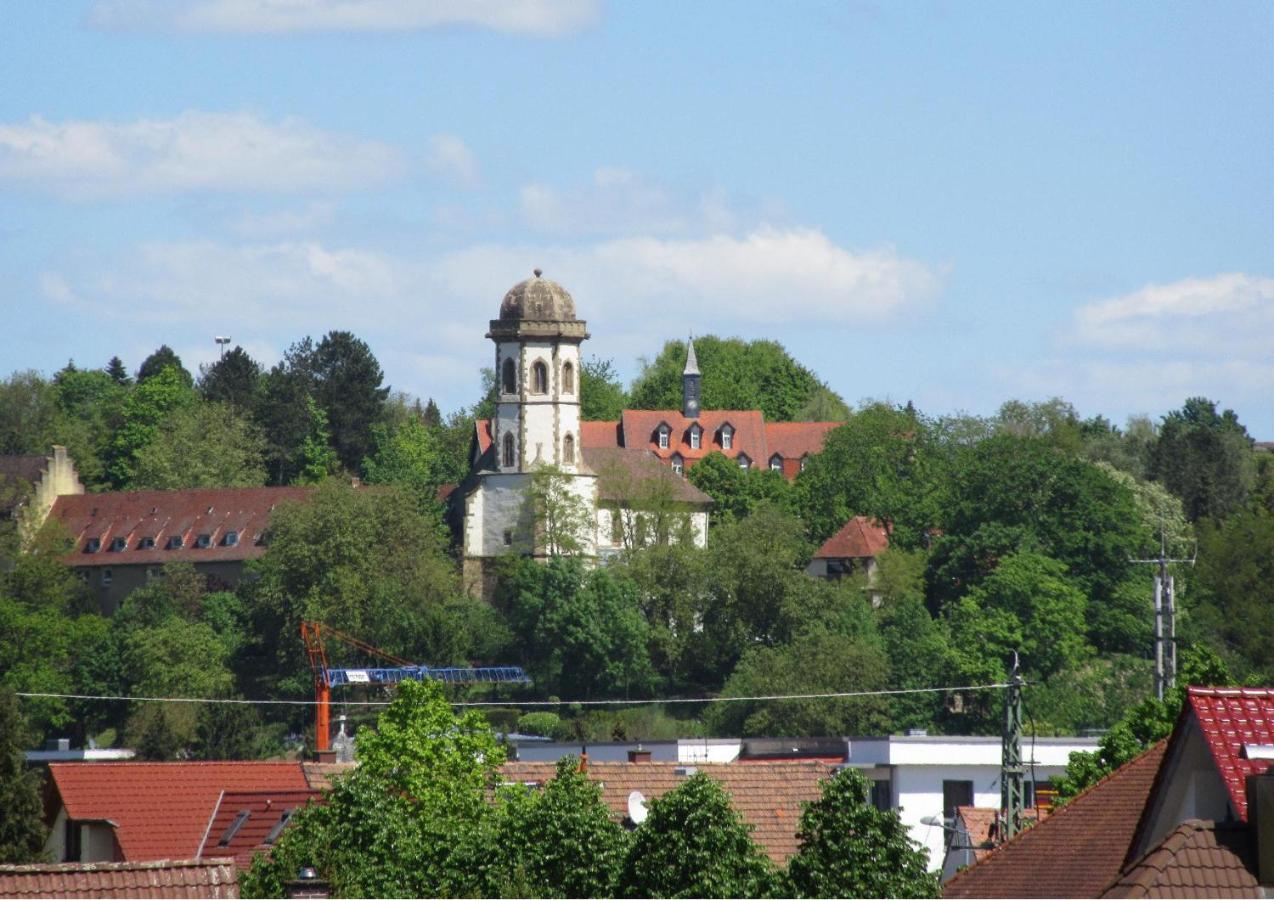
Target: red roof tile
<point x="161" y="810"/>
<point x="640" y="430"/>
<point x="595" y="435"/>
<point x="1230" y="718"/>
<point x="212" y="878"/>
<point x="792" y="440"/>
<point x="158" y="515"/>
<point x="859" y="537"/>
<point x="979" y="825"/>
<point x="1198" y="859"/>
<point x="256" y="813"/>
<point x="1077" y="851"/>
<point x="482" y="433"/>
<point x="769" y="796"/>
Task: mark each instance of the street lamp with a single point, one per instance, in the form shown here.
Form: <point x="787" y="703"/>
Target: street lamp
<point x="221" y="342"/>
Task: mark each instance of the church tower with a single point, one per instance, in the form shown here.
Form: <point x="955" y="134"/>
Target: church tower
<point x="690" y="385"/>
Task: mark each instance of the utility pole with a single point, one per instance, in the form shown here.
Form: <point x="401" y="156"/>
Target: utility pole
<point x="1012" y="772"/>
<point x="1165" y="599"/>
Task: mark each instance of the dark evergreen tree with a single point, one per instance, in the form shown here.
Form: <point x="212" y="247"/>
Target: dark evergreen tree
<point x="282" y="410"/>
<point x="119" y="374"/>
<point x="22" y="829"/>
<point x="161" y="359"/>
<point x="234" y="379"/>
<point x="1205" y="458"/>
<point x="348" y="388"/>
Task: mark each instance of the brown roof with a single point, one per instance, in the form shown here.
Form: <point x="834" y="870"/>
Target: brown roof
<point x="213" y="878"/>
<point x="1077" y="851"/>
<point x="158" y="515"/>
<point x="979" y="826"/>
<point x="769" y="796"/>
<point x="1198" y="859"/>
<point x="319" y="775"/>
<point x="620" y="471"/>
<point x="244" y="821"/>
<point x="160" y="810"/>
<point x="859" y="537"/>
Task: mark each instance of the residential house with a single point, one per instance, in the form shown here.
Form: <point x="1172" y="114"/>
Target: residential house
<point x="245" y="823"/>
<point x="851" y="550"/>
<point x="214" y="879"/>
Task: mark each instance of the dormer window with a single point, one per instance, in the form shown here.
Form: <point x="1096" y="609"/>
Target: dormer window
<point x="804" y="459"/>
<point x="678" y="464"/>
<point x="146" y="543"/>
<point x="231" y="539"/>
<point x="727" y="437"/>
<point x="744" y="462"/>
<point x="696" y="437"/>
<point x="175" y="542"/>
<point x="93" y="545"/>
<point x="664" y="432"/>
<point x="204" y="541"/>
<point x="539" y="378"/>
<point x="119" y="545"/>
<point x="776" y="463"/>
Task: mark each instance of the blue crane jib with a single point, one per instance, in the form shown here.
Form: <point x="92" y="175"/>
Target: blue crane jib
<point x="448" y="674"/>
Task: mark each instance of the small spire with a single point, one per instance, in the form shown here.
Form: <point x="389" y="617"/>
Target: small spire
<point x="692" y="363"/>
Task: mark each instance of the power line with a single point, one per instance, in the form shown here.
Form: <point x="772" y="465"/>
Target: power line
<point x="518" y="703"/>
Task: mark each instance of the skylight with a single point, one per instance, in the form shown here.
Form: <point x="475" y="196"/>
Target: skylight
<point x="233" y="828"/>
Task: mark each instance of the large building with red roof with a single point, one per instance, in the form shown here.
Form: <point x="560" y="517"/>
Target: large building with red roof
<point x="627" y="476"/>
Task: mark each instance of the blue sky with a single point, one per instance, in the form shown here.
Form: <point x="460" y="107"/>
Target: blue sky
<point x="953" y="204"/>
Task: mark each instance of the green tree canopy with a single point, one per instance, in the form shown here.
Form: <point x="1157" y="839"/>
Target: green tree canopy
<point x="22" y="829"/>
<point x="163" y="358"/>
<point x="348" y="387"/>
<point x="1205" y="458"/>
<point x="848" y="848"/>
<point x="736" y="493"/>
<point x="145" y="408"/>
<point x="201" y="445"/>
<point x="234" y="379"/>
<point x="601" y="395"/>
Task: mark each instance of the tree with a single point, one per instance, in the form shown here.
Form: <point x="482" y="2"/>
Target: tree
<point x="116" y="371"/>
<point x="737" y="493"/>
<point x="736" y="375"/>
<point x="695" y="844"/>
<point x="201" y="445"/>
<point x="848" y="848"/>
<point x="163" y="358"/>
<point x="411" y="820"/>
<point x="1235" y="576"/>
<point x="1054" y="421"/>
<point x="348" y="387"/>
<point x="22" y="829"/>
<point x="601" y="395"/>
<point x="234" y="379"/>
<point x="28" y="414"/>
<point x="409" y="455"/>
<point x="144" y="409"/>
<point x="283" y="412"/>
<point x="1205" y="458"/>
<point x="556" y="517"/>
<point x="316" y="458"/>
<point x="559" y="841"/>
<point x="882" y="463"/>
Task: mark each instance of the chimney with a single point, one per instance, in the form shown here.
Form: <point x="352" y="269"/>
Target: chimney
<point x="690" y="384"/>
<point x="639" y="755"/>
<point x="1260" y="821"/>
<point x="583" y="759"/>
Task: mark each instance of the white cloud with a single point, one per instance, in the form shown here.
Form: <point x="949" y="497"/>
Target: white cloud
<point x="284" y="222"/>
<point x="1220" y="315"/>
<point x="540" y="18"/>
<point x="196" y="151"/>
<point x="450" y="158"/>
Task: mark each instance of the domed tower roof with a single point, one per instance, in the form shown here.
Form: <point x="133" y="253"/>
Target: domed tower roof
<point x="537" y="307"/>
<point x="538" y="299"/>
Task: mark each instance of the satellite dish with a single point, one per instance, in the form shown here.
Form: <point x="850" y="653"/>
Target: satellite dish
<point x="637" y="807"/>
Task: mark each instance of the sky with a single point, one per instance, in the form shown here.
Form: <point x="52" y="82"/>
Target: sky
<point x="949" y="203"/>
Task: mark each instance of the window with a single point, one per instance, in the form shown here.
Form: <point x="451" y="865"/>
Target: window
<point x="663" y="437"/>
<point x="233" y="828"/>
<point x="175" y="542"/>
<point x="744" y="462"/>
<point x="568" y="450"/>
<point x="146" y="543"/>
<point x="804" y="459"/>
<point x="508" y="538"/>
<point x="119" y="545"/>
<point x="231" y="539"/>
<point x="727" y="437"/>
<point x="278" y="828"/>
<point x="539" y="378"/>
<point x="508" y="451"/>
<point x="880" y="795"/>
<point x="678" y="464"/>
<point x="509" y="378"/>
<point x="93" y="545"/>
<point x="696" y="437"/>
<point x="568" y="378"/>
<point x="776" y="463"/>
<point x="107" y="577"/>
<point x="204" y="541"/>
<point x="955" y="793"/>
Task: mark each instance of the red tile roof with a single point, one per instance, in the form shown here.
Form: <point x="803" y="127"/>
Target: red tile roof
<point x="212" y="878"/>
<point x="158" y="515"/>
<point x="621" y="473"/>
<point x="640" y="430"/>
<point x="161" y="809"/>
<point x="264" y="811"/>
<point x="1230" y="718"/>
<point x="1198" y="859"/>
<point x="979" y="824"/>
<point x="1077" y="851"/>
<point x="859" y="537"/>
<point x="769" y="796"/>
<point x="599" y="434"/>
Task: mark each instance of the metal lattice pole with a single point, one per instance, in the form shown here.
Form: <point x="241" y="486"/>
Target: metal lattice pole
<point x="1012" y="772"/>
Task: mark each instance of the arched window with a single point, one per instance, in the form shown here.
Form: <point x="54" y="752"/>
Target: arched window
<point x="776" y="463"/>
<point x="678" y="464"/>
<point x="568" y="450"/>
<point x="568" y="378"/>
<point x="510" y="377"/>
<point x="696" y="435"/>
<point x="664" y="431"/>
<point x="744" y="462"/>
<point x="539" y="378"/>
<point x="727" y="437"/>
<point x="508" y="451"/>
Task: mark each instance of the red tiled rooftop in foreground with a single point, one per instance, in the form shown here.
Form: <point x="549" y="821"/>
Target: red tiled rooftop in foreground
<point x="1198" y="859"/>
<point x="160" y="810"/>
<point x="258" y="814"/>
<point x="1230" y="718"/>
<point x="211" y="878"/>
<point x="1078" y="851"/>
<point x="769" y="796"/>
<point x="858" y="538"/>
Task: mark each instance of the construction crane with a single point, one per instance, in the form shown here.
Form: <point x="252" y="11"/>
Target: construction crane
<point x="314" y="634"/>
